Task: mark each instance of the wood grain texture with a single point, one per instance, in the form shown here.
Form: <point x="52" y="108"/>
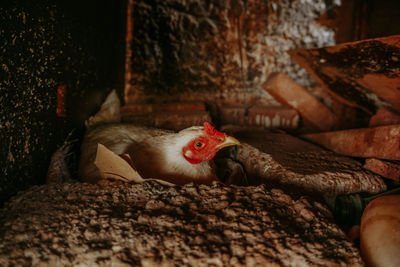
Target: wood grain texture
<point x="364" y="74"/>
<point x="289" y="93"/>
<point x="384" y="168"/>
<point x="380" y="142"/>
<point x="384" y="116"/>
<point x="279" y="159"/>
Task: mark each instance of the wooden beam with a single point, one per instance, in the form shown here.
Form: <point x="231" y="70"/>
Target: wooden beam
<point x="384" y="168"/>
<point x="262" y="116"/>
<point x="289" y="93"/>
<point x="278" y="160"/>
<point x="384" y="116"/>
<point x="380" y="142"/>
<point x="364" y="74"/>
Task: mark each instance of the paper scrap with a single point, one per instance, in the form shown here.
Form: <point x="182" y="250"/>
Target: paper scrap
<point x="119" y="167"/>
<point x="113" y="166"/>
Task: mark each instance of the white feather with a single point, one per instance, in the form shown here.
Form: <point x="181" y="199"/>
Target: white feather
<point x="175" y="161"/>
<point x="156" y="154"/>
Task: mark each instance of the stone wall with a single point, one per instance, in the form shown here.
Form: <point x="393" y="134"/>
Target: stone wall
<point x="206" y="49"/>
<point x="45" y="44"/>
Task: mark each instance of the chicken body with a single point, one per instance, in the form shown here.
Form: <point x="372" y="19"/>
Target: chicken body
<point x="179" y="158"/>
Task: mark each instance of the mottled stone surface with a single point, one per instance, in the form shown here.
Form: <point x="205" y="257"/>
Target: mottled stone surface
<point x="45" y="44"/>
<point x="119" y="224"/>
<point x="182" y="47"/>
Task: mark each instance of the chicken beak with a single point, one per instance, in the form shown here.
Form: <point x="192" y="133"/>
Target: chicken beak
<point x="229" y="141"/>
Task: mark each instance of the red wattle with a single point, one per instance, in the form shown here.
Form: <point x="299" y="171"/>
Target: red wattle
<point x="192" y="161"/>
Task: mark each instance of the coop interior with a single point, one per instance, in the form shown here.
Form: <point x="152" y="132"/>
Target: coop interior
<point x="309" y="89"/>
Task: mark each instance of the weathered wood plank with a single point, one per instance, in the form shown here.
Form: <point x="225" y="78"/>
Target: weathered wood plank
<point x="263" y="116"/>
<point x="173" y="116"/>
<point x="380" y="142"/>
<point x="365" y="74"/>
<point x="277" y="158"/>
<point x="289" y="93"/>
<point x="384" y="168"/>
<point x="163" y="107"/>
<point x="384" y="116"/>
<point x="172" y="120"/>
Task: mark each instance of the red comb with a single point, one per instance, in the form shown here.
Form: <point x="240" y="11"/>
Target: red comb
<point x="210" y="130"/>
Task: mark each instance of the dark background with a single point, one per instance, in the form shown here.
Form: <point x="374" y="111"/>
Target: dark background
<point x="45" y="44"/>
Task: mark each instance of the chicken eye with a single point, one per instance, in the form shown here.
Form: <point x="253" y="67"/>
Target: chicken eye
<point x="198" y="145"/>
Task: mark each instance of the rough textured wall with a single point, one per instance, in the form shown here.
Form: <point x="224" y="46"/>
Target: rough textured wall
<point x="186" y="46"/>
<point x="45" y="44"/>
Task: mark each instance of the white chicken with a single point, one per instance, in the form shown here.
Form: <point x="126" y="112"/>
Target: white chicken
<point x="178" y="158"/>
